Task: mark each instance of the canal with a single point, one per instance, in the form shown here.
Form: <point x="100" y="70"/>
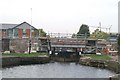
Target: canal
<point x="55" y="70"/>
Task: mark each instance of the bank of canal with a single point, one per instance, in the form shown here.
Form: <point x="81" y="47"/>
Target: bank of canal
<point x="15" y="61"/>
<point x="55" y="70"/>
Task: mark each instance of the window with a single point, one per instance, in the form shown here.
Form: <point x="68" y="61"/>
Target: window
<point x="15" y="31"/>
<point x="32" y="30"/>
<point x="10" y="33"/>
<point x="24" y="33"/>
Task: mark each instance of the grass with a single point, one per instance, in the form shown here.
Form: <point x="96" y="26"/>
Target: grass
<point x="93" y="56"/>
<point x="25" y="55"/>
<point x="99" y="57"/>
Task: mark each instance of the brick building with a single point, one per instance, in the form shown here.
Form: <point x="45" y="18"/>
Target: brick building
<point x="23" y="30"/>
<point x="16" y="36"/>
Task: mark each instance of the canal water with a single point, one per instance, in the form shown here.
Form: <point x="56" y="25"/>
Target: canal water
<point x="55" y="70"/>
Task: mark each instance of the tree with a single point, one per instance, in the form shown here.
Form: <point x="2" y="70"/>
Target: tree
<point x="83" y="31"/>
<point x="119" y="44"/>
<point x="119" y="40"/>
<point x="74" y="35"/>
<point x="99" y="34"/>
<point x="42" y="33"/>
<point x="36" y="33"/>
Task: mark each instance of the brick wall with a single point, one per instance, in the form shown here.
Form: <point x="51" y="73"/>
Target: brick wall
<point x="4" y="34"/>
<point x="0" y="34"/>
<point x="20" y="33"/>
<point x="28" y="33"/>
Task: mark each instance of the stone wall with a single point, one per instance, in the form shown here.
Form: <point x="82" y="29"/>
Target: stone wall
<point x="111" y="65"/>
<point x="15" y="61"/>
<point x="21" y="45"/>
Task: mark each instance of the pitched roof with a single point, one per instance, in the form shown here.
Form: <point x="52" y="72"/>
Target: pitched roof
<point x="7" y="26"/>
<point x="24" y="23"/>
<point x="11" y="26"/>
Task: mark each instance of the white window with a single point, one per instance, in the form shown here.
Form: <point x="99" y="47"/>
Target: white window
<point x="24" y="33"/>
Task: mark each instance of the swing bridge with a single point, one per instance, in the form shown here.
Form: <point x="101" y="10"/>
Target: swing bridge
<point x="68" y="42"/>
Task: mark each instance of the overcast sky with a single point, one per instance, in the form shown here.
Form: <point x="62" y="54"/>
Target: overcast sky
<point x="61" y="16"/>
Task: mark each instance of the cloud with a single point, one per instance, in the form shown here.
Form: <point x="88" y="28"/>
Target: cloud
<point x="60" y="15"/>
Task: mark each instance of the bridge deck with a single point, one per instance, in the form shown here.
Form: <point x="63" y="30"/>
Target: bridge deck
<point x="70" y="42"/>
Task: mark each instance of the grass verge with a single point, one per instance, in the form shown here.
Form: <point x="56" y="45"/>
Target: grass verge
<point x="98" y="57"/>
<point x="25" y="55"/>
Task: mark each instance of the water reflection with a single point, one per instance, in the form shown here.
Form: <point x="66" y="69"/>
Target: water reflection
<point x="55" y="70"/>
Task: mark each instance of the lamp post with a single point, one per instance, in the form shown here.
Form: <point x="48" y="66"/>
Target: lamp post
<point x="30" y="34"/>
<point x="29" y="46"/>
